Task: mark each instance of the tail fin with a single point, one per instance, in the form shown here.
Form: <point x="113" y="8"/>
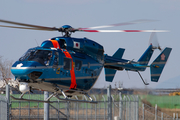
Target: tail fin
<point x="110" y="73"/>
<point x="153" y="44"/>
<point x="158" y="64"/>
<point x="144" y="59"/>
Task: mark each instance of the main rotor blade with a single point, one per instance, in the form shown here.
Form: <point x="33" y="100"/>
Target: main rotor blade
<point x="125" y="30"/>
<point x="29" y="25"/>
<point x="26" y="28"/>
<point x="119" y="24"/>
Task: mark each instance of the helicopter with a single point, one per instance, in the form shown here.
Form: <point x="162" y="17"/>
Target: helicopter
<point x="67" y="66"/>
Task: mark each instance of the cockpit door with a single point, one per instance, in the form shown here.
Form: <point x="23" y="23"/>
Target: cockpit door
<point x="54" y="68"/>
<point x="55" y="59"/>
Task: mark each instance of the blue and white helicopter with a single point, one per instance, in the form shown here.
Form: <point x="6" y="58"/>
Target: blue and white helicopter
<point x="70" y="66"/>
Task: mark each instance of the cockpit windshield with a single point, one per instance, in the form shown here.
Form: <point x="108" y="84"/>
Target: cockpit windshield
<point x="27" y="54"/>
<point x="41" y="56"/>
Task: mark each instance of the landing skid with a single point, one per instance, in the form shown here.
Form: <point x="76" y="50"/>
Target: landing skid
<point x="31" y="100"/>
<point x="57" y="96"/>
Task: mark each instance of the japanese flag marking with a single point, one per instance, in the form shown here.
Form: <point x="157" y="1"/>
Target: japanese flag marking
<point x="77" y="45"/>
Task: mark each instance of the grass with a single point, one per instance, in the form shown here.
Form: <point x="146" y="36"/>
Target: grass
<point x="17" y="104"/>
<point x="171" y="102"/>
<point x="63" y="104"/>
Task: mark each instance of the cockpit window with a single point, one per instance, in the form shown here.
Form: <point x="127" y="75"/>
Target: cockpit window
<point x="27" y="54"/>
<point x="41" y="56"/>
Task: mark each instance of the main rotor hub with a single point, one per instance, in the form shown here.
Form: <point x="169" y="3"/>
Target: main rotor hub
<point x="66" y="26"/>
<point x="67" y="30"/>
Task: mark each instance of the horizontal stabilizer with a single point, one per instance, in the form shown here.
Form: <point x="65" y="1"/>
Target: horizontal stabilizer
<point x="159" y="63"/>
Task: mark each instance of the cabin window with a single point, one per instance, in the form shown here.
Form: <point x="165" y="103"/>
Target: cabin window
<point x="67" y="63"/>
<point x="62" y="43"/>
<point x="56" y="59"/>
<point x="78" y="65"/>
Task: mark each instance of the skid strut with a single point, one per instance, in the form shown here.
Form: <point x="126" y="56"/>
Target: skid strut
<point x="55" y="94"/>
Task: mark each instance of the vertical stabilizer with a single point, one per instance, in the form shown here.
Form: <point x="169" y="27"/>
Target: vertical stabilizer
<point x="145" y="58"/>
<point x="159" y="63"/>
<point x="110" y="73"/>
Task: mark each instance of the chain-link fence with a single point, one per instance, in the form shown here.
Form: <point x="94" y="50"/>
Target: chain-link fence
<point x="126" y="107"/>
<point x="152" y="113"/>
<point x="122" y="107"/>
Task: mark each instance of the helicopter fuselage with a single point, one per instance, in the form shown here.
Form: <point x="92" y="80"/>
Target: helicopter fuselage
<point x="46" y="68"/>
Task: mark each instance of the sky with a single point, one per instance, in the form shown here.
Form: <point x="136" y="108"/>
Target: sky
<point x="88" y="13"/>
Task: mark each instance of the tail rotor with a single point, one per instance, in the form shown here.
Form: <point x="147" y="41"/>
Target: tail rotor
<point x="154" y="41"/>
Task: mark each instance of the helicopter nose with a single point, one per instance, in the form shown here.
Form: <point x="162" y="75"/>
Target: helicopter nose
<point x="21" y="73"/>
<point x="25" y="70"/>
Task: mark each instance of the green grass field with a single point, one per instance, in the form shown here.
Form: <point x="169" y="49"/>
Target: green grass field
<point x="63" y="104"/>
<point x="171" y="102"/>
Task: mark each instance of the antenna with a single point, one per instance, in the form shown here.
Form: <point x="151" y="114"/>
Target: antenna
<point x="128" y="74"/>
<point x="36" y="42"/>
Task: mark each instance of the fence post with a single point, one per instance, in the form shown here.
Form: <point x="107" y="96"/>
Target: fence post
<point x="113" y="112"/>
<point x="46" y="106"/>
<point x="95" y="107"/>
<point x="8" y="101"/>
<point x="104" y="107"/>
<point x="134" y="107"/>
<point x="174" y="116"/>
<point x="161" y="115"/>
<point x="156" y="112"/>
<point x="137" y="108"/>
<point x="109" y="102"/>
<point x="77" y="116"/>
<point x="86" y="108"/>
<point x="120" y="106"/>
<point x="126" y="105"/>
<point x="129" y="107"/>
<point x="67" y="110"/>
<point x="143" y="111"/>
